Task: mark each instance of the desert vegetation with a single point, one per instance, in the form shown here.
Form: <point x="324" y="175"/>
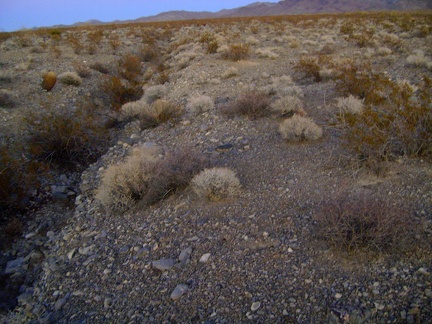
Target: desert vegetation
<point x="291" y="149"/>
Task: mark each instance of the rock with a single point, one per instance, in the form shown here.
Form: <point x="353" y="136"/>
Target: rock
<point x="204" y="258"/>
<point x="71" y="254"/>
<point x="185" y="254"/>
<point x="179" y="291"/>
<point x="224" y="147"/>
<point x="60" y="303"/>
<point x="107" y="303"/>
<point x="423" y="271"/>
<point x="14" y="266"/>
<point x="338" y="295"/>
<point x="255" y="306"/>
<point x="163" y="264"/>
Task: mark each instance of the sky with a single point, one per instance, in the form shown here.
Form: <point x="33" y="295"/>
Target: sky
<point x="21" y="14"/>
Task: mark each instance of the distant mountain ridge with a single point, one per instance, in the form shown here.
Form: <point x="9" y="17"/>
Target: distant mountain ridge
<point x="286" y="7"/>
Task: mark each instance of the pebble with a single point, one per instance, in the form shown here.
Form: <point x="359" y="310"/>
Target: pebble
<point x="423" y="271"/>
<point x="185" y="254"/>
<point x="179" y="291"/>
<point x="163" y="264"/>
<point x="204" y="258"/>
<point x="338" y="295"/>
<point x="255" y="306"/>
<point x="14" y="266"/>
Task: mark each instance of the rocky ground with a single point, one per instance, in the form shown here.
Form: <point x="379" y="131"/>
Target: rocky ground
<point x="255" y="257"/>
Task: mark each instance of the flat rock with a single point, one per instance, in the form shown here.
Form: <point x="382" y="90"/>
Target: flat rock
<point x="179" y="291"/>
<point x="163" y="264"/>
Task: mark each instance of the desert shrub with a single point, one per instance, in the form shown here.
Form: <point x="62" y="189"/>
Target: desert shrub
<point x="147" y="178"/>
<point x="82" y="69"/>
<point x="97" y="66"/>
<point x="149" y="53"/>
<point x="199" y="104"/>
<point x="310" y="67"/>
<point x="230" y="72"/>
<point x="288" y="106"/>
<point x="210" y="41"/>
<point x="120" y="91"/>
<point x="6" y="99"/>
<point x="75" y="42"/>
<point x="299" y="128"/>
<point x="252" y="40"/>
<point x="114" y="41"/>
<point x="384" y="51"/>
<point x="130" y="67"/>
<point x="70" y="78"/>
<point x="283" y="86"/>
<point x="157" y="113"/>
<point x="252" y="103"/>
<point x="124" y="184"/>
<point x="236" y="52"/>
<point x="354" y="223"/>
<point x="66" y="138"/>
<point x="418" y="58"/>
<point x="153" y="93"/>
<point x="266" y="52"/>
<point x="133" y="109"/>
<point x="216" y="184"/>
<point x="401" y="125"/>
<point x="350" y="105"/>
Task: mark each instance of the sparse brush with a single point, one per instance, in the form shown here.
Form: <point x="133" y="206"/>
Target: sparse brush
<point x="6" y="99"/>
<point x="230" y="72"/>
<point x="65" y="138"/>
<point x="153" y="93"/>
<point x="216" y="184"/>
<point x="310" y="67"/>
<point x="418" y="58"/>
<point x="130" y="67"/>
<point x="363" y="222"/>
<point x="299" y="128"/>
<point x="97" y="66"/>
<point x="252" y="103"/>
<point x="157" y="113"/>
<point x="70" y="78"/>
<point x="120" y="91"/>
<point x="236" y="52"/>
<point x="266" y="52"/>
<point x="199" y="104"/>
<point x="133" y="109"/>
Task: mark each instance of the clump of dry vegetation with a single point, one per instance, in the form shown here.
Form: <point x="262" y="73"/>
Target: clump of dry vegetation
<point x="235" y="52"/>
<point x="355" y="223"/>
<point x="216" y="184"/>
<point x="158" y="112"/>
<point x="252" y="103"/>
<point x="147" y="177"/>
<point x="299" y="128"/>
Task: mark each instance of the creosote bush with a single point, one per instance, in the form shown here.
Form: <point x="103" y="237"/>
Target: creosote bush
<point x="66" y="138"/>
<point x="299" y="128"/>
<point x="252" y="103"/>
<point x="147" y="177"/>
<point x="216" y="184"/>
<point x="356" y="223"/>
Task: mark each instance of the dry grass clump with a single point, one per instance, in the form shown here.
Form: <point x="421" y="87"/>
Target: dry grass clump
<point x="299" y="128"/>
<point x="97" y="66"/>
<point x="418" y="58"/>
<point x="230" y="72"/>
<point x="70" y="78"/>
<point x="157" y="113"/>
<point x="365" y="223"/>
<point x="288" y="106"/>
<point x="216" y="184"/>
<point x="153" y="93"/>
<point x="235" y="52"/>
<point x="310" y="67"/>
<point x="130" y="67"/>
<point x="267" y="53"/>
<point x="283" y="86"/>
<point x="132" y="110"/>
<point x="146" y="177"/>
<point x="252" y="103"/>
<point x="350" y="105"/>
<point x="199" y="104"/>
